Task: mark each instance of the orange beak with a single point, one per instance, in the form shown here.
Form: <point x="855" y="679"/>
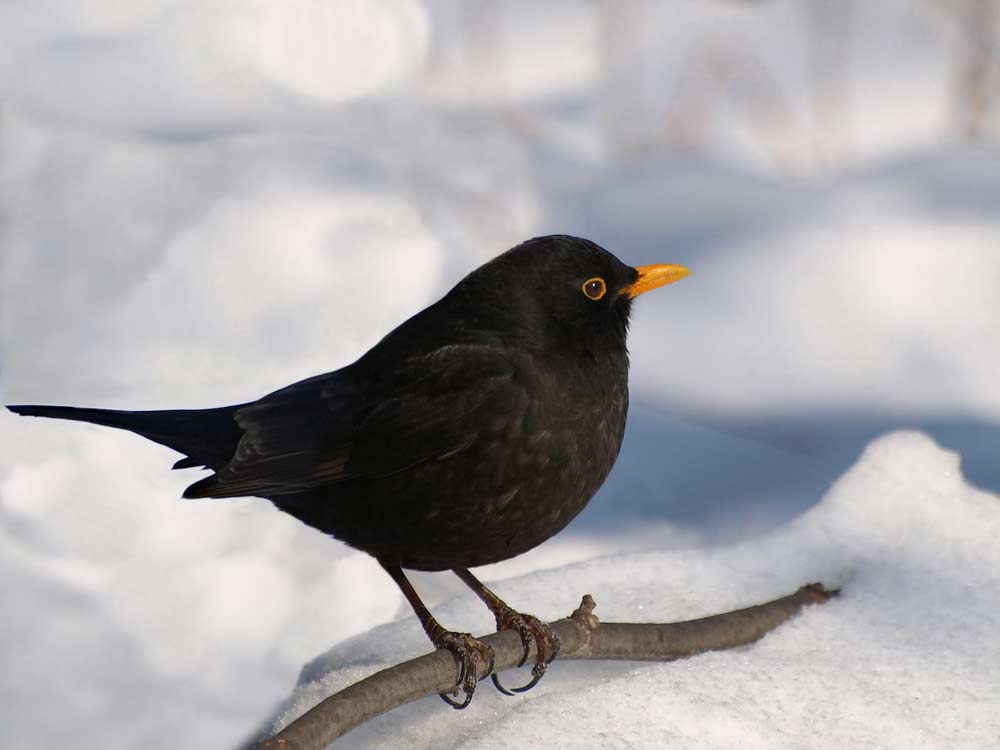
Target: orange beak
<point x="651" y="277"/>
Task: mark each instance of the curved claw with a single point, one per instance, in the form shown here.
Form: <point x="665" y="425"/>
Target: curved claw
<point x="530" y="629"/>
<point x="496" y="683"/>
<point x="537" y="673"/>
<point x="454" y="703"/>
<point x="467" y="651"/>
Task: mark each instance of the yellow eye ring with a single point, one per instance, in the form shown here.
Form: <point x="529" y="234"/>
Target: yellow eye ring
<point x="594" y="288"/>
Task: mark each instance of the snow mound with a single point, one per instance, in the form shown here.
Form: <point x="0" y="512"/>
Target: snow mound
<point x="907" y="657"/>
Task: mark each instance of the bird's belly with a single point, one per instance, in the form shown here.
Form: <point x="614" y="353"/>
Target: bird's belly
<point x="496" y="500"/>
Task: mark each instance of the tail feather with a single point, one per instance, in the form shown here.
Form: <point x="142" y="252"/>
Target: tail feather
<point x="207" y="437"/>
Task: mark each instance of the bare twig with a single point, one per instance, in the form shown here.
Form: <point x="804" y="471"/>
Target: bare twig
<point x="582" y="637"/>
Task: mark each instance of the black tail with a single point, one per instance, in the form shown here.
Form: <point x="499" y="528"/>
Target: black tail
<point x="208" y="437"/>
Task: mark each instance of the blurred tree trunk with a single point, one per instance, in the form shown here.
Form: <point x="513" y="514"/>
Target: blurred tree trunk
<point x="624" y="112"/>
<point x="483" y="52"/>
<point x="468" y="57"/>
<point x="829" y="68"/>
<point x="977" y="71"/>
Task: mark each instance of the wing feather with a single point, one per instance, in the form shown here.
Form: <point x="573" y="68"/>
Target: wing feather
<point x="347" y="425"/>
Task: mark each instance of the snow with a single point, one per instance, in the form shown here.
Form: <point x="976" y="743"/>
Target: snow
<point x="204" y="201"/>
<point x="904" y="658"/>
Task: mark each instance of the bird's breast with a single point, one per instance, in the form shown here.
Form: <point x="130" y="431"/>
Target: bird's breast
<point x="529" y="462"/>
<point x="533" y="466"/>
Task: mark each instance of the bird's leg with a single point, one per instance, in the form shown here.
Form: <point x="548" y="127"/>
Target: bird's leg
<point x="530" y="629"/>
<point x="467" y="650"/>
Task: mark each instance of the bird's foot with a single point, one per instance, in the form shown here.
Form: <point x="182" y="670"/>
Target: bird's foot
<point x="468" y="652"/>
<point x="531" y="630"/>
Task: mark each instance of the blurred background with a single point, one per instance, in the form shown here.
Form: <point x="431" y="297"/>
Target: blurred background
<point x="204" y="201"/>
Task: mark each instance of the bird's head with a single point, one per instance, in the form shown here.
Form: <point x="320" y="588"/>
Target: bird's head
<point x="563" y="292"/>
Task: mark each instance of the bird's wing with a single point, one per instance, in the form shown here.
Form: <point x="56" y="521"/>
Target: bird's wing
<point x="332" y="428"/>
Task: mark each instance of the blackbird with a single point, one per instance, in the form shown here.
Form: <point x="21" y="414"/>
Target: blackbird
<point x="471" y="433"/>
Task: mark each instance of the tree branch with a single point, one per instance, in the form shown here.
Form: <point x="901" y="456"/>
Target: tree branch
<point x="582" y="637"/>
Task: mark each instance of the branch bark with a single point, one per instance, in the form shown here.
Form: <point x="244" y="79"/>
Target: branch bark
<point x="582" y="637"/>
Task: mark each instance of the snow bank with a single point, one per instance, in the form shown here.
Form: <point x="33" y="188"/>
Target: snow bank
<point x="871" y="293"/>
<point x="905" y="658"/>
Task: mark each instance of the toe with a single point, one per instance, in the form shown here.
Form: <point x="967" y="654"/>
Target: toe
<point x="468" y="652"/>
<point x="531" y="630"/>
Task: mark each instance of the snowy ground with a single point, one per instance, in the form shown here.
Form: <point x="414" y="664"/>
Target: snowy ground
<point x="202" y="205"/>
<point x="906" y="658"/>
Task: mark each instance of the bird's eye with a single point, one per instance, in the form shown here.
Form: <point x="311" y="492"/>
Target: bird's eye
<point x="594" y="288"/>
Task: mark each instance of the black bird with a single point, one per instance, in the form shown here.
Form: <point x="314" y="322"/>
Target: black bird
<point x="471" y="433"/>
